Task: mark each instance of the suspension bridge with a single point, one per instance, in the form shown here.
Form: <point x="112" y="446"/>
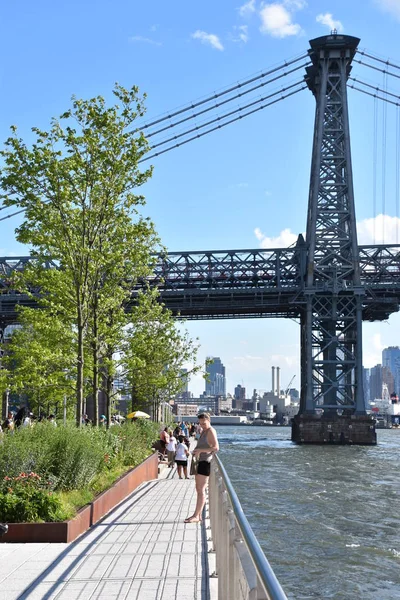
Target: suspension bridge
<point x="327" y="281"/>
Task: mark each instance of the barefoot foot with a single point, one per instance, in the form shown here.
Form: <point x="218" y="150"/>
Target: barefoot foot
<point x="193" y="520"/>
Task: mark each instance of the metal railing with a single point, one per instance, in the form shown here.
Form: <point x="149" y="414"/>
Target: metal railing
<point x="242" y="569"/>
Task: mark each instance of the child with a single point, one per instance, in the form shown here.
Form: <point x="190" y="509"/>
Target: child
<point x="171" y="447"/>
<point x="181" y="457"/>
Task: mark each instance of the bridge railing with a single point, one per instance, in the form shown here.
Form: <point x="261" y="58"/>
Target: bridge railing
<point x="243" y="571"/>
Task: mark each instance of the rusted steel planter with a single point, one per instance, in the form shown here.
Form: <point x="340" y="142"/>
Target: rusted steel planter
<point x="67" y="531"/>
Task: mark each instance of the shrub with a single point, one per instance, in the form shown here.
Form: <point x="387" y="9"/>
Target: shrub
<point x="62" y="459"/>
<point x="27" y="498"/>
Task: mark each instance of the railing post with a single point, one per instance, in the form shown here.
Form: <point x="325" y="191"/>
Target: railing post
<point x="223" y="549"/>
<point x="231" y="574"/>
<point x="218" y="528"/>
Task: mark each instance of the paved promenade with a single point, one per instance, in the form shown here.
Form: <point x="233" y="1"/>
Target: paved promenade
<point x="142" y="550"/>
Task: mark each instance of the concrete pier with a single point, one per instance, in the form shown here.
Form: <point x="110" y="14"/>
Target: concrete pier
<point x="334" y="429"/>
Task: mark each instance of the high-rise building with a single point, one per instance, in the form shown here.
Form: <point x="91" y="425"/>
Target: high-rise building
<point x="366" y="378"/>
<point x="240" y="392"/>
<point x="184" y="389"/>
<point x="216" y="381"/>
<point x="375" y="382"/>
<point x="391" y="359"/>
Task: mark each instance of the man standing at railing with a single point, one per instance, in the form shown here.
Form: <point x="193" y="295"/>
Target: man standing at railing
<point x="207" y="446"/>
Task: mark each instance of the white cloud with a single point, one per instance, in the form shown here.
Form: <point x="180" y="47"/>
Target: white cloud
<point x="283" y="240"/>
<point x="390" y="6"/>
<point x="276" y="20"/>
<point x="382" y="229"/>
<point x="295" y="4"/>
<point x="372" y="352"/>
<point x="208" y="38"/>
<point x="241" y="34"/>
<point x="247" y="9"/>
<point x="328" y="20"/>
<point x="145" y="40"/>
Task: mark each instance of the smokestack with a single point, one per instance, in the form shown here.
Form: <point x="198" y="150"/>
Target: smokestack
<point x="273" y="380"/>
<point x="278" y="380"/>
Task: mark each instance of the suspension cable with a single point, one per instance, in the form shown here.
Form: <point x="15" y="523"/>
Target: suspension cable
<point x="353" y="87"/>
<point x="199" y="135"/>
<point x="385" y="62"/>
<point x="374" y="87"/>
<point x="12" y="214"/>
<point x="360" y="62"/>
<point x="224" y="92"/>
<point x="384" y="135"/>
<point x="374" y="163"/>
<point x="218" y="104"/>
<point x="397" y="191"/>
<point x="224" y="116"/>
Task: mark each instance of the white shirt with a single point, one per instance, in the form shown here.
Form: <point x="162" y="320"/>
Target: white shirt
<point x="181" y="450"/>
<point x="171" y="446"/>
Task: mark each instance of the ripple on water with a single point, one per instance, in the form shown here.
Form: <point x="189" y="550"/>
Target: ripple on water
<point x="328" y="518"/>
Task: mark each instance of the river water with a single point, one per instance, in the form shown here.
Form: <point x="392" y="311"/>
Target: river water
<point x="327" y="517"/>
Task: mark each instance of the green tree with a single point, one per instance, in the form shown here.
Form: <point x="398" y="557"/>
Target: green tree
<point x="39" y="359"/>
<point x="154" y="353"/>
<point x="77" y="184"/>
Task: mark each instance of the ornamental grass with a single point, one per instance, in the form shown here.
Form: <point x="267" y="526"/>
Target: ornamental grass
<point x="47" y="472"/>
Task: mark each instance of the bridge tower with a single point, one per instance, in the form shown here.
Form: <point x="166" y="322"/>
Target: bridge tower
<point x="332" y="407"/>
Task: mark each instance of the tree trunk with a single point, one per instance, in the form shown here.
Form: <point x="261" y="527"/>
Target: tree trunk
<point x="80" y="364"/>
<point x="95" y="347"/>
<point x="109" y="388"/>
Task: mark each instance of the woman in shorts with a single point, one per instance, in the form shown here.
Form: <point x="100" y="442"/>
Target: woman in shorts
<point x="207" y="446"/>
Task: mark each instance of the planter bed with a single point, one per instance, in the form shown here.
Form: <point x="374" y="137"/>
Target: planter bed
<point x="67" y="531"/>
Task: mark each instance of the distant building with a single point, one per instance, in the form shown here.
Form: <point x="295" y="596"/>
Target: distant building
<point x="375" y="382"/>
<point x="391" y="360"/>
<point x="216" y="381"/>
<point x="184" y="388"/>
<point x="240" y="392"/>
<point x="225" y="403"/>
<point x="367" y="391"/>
<point x="381" y="378"/>
<point x="185" y="410"/>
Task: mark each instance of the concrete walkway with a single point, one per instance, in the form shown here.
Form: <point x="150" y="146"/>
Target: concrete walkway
<point x="141" y="550"/>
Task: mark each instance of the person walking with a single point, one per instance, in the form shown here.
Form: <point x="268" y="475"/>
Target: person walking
<point x="164" y="439"/>
<point x="207" y="446"/>
<point x="181" y="457"/>
<point x="171" y="449"/>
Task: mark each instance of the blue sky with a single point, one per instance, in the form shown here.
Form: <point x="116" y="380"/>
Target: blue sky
<point x="241" y="187"/>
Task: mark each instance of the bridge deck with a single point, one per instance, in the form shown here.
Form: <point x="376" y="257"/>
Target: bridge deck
<point x="141" y="550"/>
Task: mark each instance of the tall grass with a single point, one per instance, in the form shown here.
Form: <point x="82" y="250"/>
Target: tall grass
<point x="71" y="458"/>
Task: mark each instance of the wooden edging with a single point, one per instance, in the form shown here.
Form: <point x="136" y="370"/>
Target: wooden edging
<point x="67" y="531"/>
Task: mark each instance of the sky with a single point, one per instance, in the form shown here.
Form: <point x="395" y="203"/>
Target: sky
<point x="245" y="186"/>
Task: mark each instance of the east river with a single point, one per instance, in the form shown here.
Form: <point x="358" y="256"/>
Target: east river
<point x="327" y="517"/>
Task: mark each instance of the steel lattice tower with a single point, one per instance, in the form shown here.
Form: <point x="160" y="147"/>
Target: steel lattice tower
<point x="331" y="321"/>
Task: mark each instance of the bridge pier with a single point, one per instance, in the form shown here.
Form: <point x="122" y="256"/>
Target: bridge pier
<point x="334" y="429"/>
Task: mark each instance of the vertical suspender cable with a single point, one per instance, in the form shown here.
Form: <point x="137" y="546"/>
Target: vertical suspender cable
<point x="384" y="131"/>
<point x="397" y="168"/>
<point x="374" y="165"/>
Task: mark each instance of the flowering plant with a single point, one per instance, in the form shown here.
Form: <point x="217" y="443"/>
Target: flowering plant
<point x="28" y="497"/>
